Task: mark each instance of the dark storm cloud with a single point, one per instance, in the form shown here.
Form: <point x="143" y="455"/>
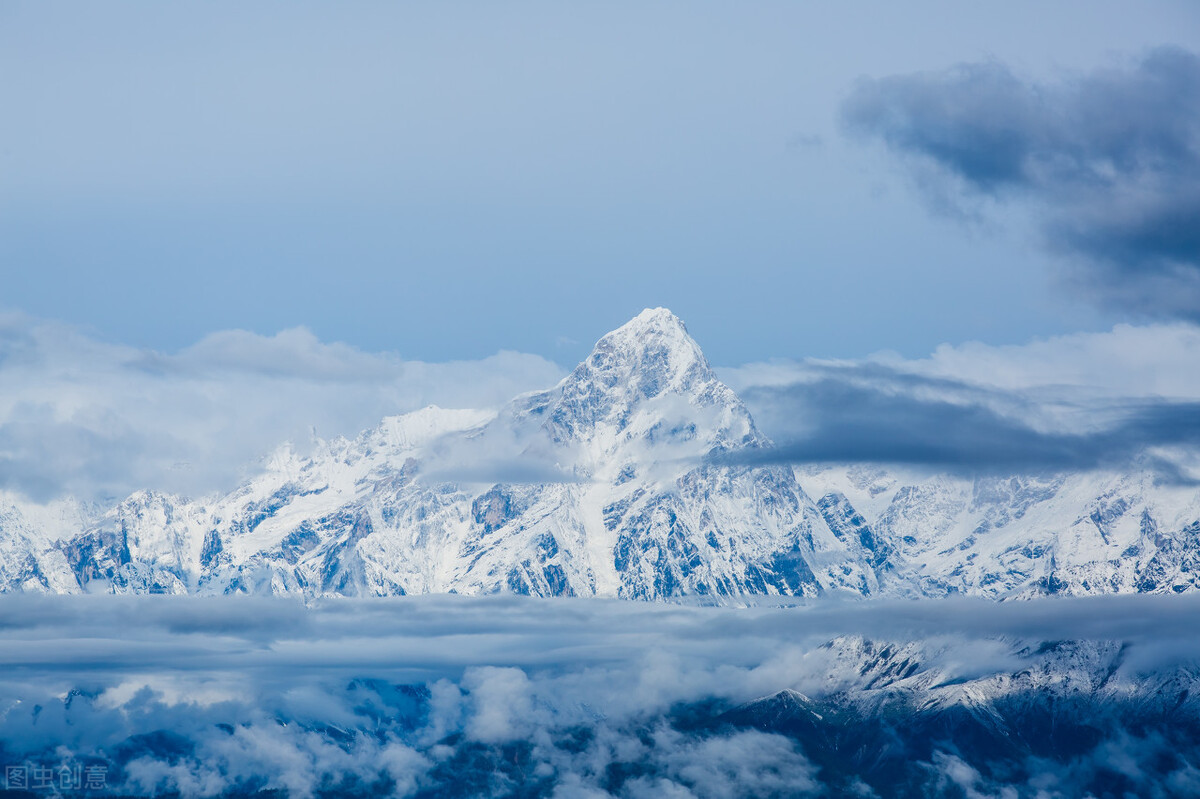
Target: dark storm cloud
<point x="872" y="414"/>
<point x="1110" y="161"/>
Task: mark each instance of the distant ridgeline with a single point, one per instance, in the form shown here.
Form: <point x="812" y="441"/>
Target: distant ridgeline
<point x="606" y="485"/>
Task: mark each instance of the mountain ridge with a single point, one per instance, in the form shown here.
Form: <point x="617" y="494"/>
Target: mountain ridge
<point x="606" y="484"/>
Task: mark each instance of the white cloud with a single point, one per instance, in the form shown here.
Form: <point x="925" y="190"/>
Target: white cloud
<point x="1128" y="361"/>
<point x="502" y="703"/>
<point x="746" y="763"/>
<point x="92" y="419"/>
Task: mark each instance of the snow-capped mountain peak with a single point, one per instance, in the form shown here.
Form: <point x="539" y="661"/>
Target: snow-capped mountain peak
<point x="648" y="382"/>
<point x="604" y="485"/>
<point x="650" y="354"/>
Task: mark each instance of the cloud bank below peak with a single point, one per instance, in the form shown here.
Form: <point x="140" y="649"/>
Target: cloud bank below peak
<point x="456" y="696"/>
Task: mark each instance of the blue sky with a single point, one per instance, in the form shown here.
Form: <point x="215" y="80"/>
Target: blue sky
<point x="444" y="182"/>
<point x="875" y="219"/>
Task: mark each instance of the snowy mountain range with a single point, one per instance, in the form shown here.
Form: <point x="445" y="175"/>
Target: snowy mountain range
<point x="606" y="485"/>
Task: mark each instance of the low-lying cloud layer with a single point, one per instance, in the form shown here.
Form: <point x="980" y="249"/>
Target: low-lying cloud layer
<point x="447" y="695"/>
<point x="436" y="636"/>
<point x="1110" y="160"/>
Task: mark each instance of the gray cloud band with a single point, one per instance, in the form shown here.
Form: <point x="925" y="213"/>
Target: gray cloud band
<point x="870" y="414"/>
<point x="1111" y="160"/>
<point x="446" y="633"/>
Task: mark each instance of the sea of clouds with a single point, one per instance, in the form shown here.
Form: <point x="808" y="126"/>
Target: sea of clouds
<point x="450" y="695"/>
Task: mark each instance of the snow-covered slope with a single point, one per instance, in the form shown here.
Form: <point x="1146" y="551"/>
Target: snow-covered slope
<point x="600" y="486"/>
<point x="30" y="558"/>
<point x="1083" y="533"/>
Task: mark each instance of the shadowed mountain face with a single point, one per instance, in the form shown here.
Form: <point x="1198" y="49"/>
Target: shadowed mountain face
<point x="606" y="485"/>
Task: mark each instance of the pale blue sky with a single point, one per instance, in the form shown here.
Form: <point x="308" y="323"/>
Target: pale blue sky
<point x="448" y="180"/>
